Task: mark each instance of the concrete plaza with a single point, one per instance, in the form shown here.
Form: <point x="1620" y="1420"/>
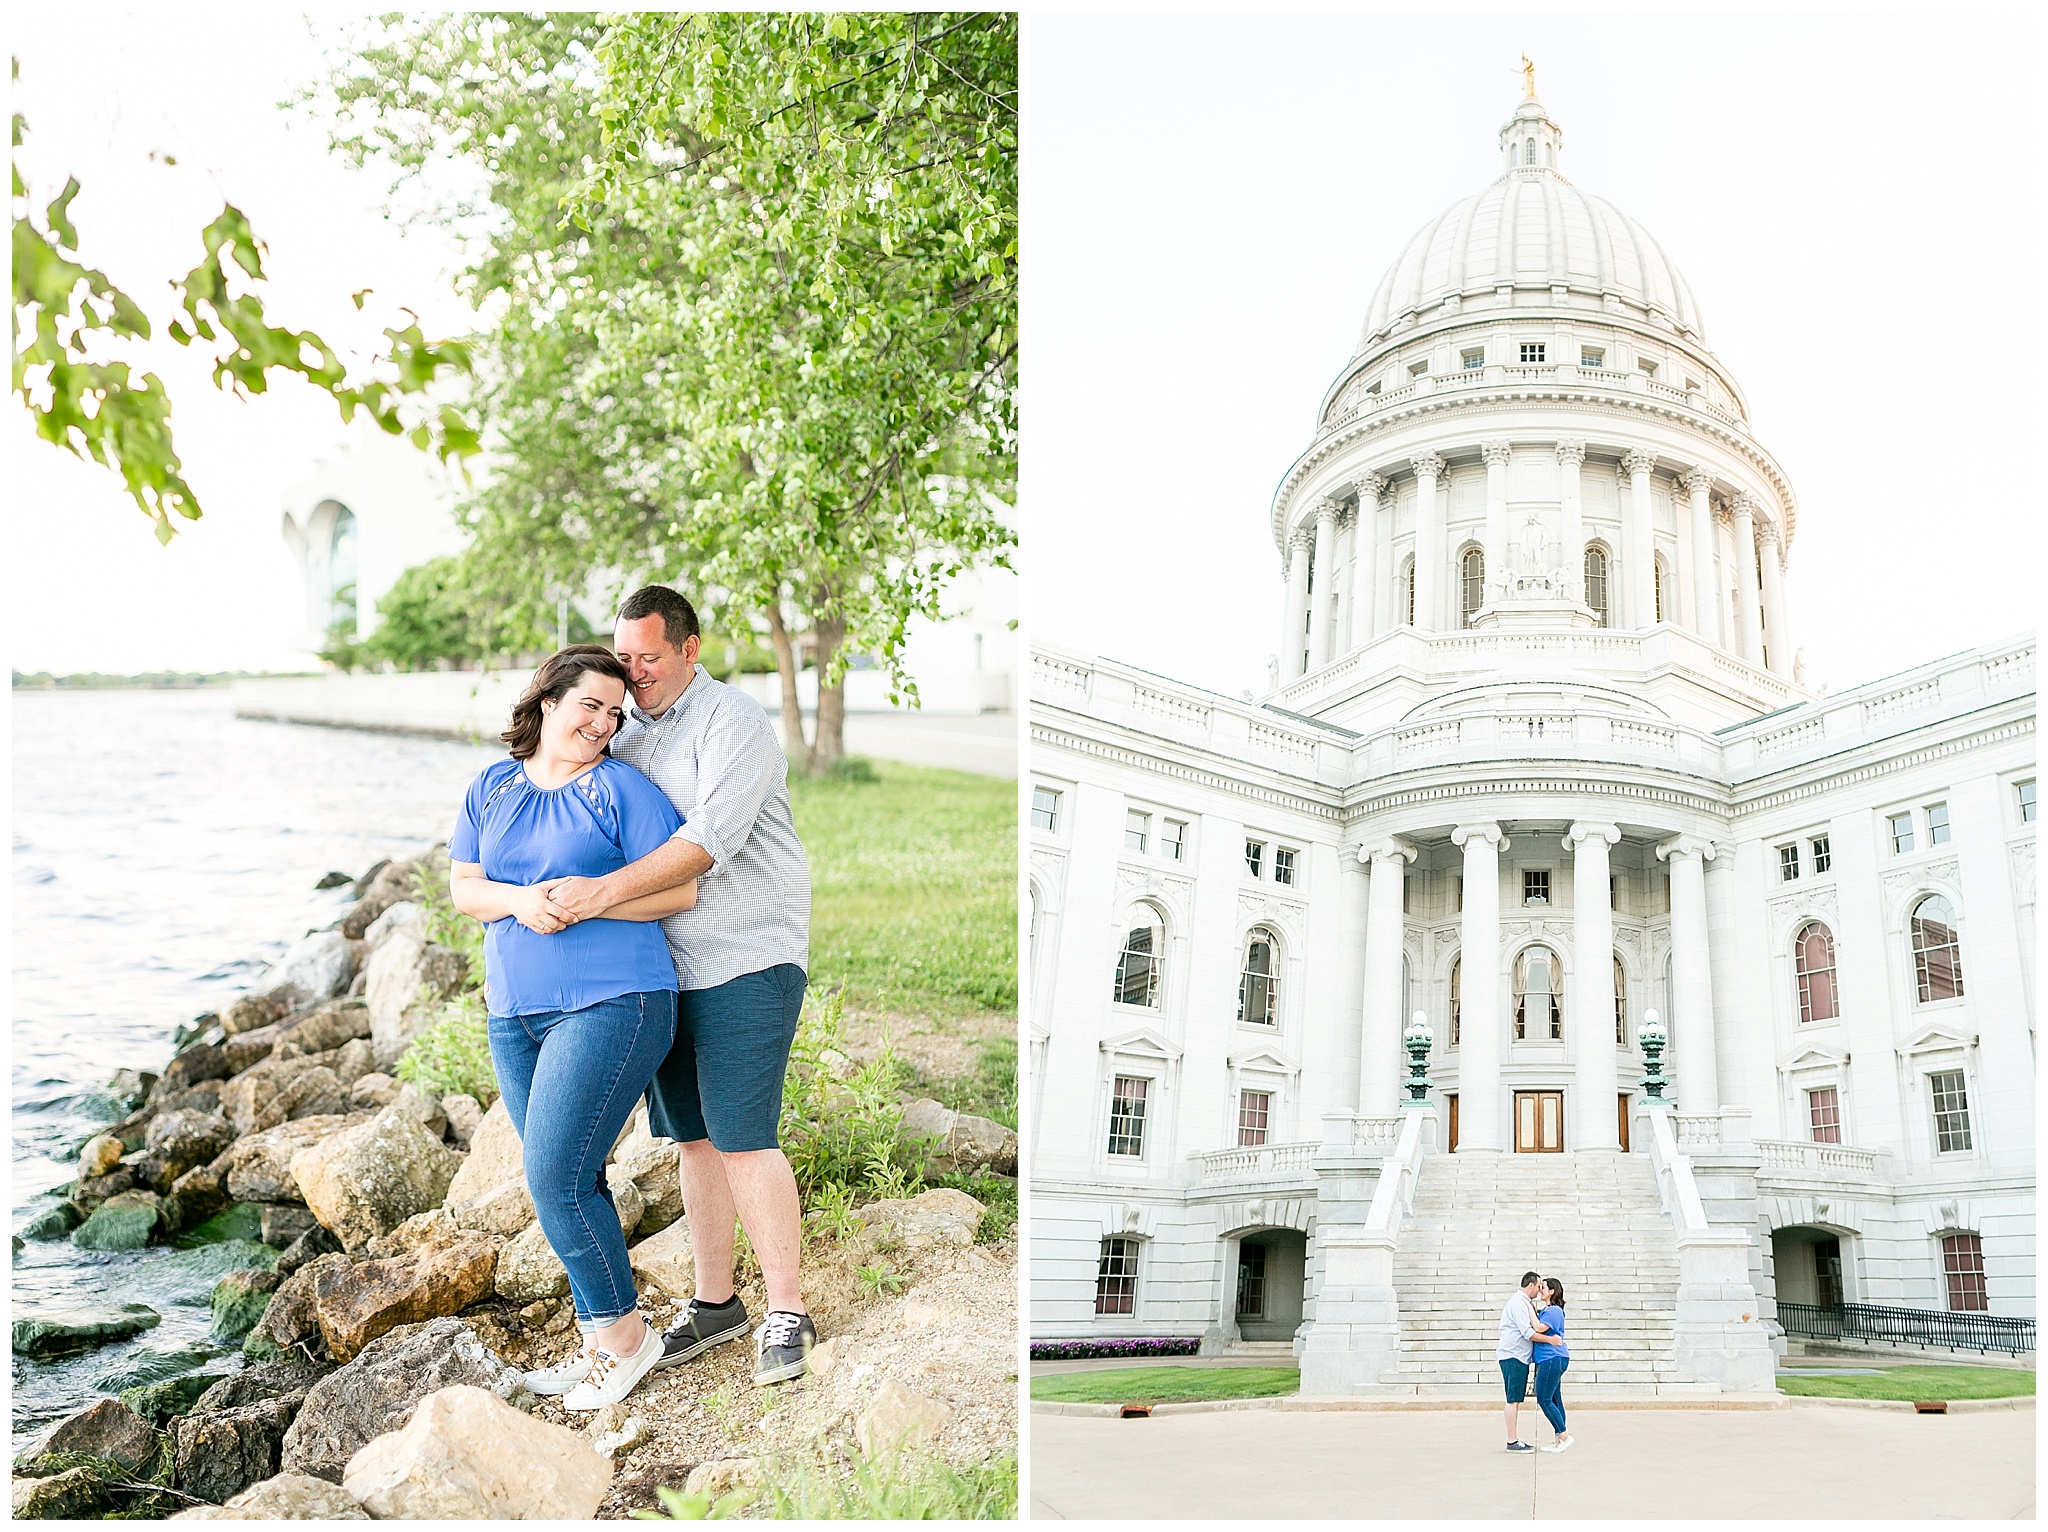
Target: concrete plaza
<point x="1806" y="1460"/>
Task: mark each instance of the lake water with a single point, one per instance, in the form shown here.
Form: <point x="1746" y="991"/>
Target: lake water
<point x="164" y="852"/>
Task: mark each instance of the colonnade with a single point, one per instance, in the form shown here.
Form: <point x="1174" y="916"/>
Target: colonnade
<point x="1592" y="1080"/>
<point x="1340" y="565"/>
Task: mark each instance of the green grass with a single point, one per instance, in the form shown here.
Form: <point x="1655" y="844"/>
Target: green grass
<point x="1165" y="1385"/>
<point x="1915" y="1383"/>
<point x="897" y="1487"/>
<point x="913" y="889"/>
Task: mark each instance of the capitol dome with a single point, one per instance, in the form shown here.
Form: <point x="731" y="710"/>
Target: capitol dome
<point x="1533" y="230"/>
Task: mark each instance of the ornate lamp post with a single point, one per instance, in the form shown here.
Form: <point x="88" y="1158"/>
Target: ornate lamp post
<point x="1418" y="1039"/>
<point x="1653" y="1037"/>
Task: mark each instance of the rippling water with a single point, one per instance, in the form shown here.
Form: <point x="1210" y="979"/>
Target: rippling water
<point x="164" y="851"/>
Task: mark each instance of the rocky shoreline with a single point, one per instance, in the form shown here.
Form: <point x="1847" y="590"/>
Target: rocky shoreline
<point x="372" y="1248"/>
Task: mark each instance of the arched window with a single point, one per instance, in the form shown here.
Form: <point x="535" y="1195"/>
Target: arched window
<point x="1937" y="955"/>
<point x="1596" y="582"/>
<point x="1471" y="584"/>
<point x="1658" y="571"/>
<point x="1539" y="997"/>
<point x="1620" y="1005"/>
<point x="1529" y="152"/>
<point x="1411" y="593"/>
<point x="1457" y="964"/>
<point x="1258" y="983"/>
<point x="1813" y="962"/>
<point x="1141" y="966"/>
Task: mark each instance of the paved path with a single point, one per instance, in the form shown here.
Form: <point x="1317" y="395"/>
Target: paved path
<point x="984" y="743"/>
<point x="1801" y="1461"/>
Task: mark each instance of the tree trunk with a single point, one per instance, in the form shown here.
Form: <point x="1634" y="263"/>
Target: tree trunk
<point x="794" y="744"/>
<point x="831" y="726"/>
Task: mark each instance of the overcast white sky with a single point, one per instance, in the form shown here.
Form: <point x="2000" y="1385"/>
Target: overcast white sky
<point x="1210" y="201"/>
<point x="202" y="85"/>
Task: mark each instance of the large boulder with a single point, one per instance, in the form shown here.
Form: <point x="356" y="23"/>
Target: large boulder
<point x="959" y="1142"/>
<point x="102" y="1152"/>
<point x="287" y="1497"/>
<point x="201" y="1061"/>
<point x="292" y="1378"/>
<point x="667" y="1260"/>
<point x="941" y="1216"/>
<point x="370" y="1179"/>
<point x="466" y="1455"/>
<point x="290" y="1316"/>
<point x="366" y="1398"/>
<point x="280" y="1090"/>
<point x="284" y="1222"/>
<point x="433" y="1227"/>
<point x="326" y="1026"/>
<point x="899" y="1416"/>
<point x="77" y="1494"/>
<point x="107" y="1430"/>
<point x="125" y="1221"/>
<point x="185" y="1138"/>
<point x="656" y="1170"/>
<point x="353" y="1060"/>
<point x="464" y="1113"/>
<point x="356" y="1304"/>
<point x="314" y="969"/>
<point x="495" y="1157"/>
<point x="162" y="1402"/>
<point x="219" y="1453"/>
<point x="504" y="1210"/>
<point x="151" y="1361"/>
<point x="409" y="977"/>
<point x="259" y="1168"/>
<point x="394" y="883"/>
<point x="315" y="1242"/>
<point x="247" y="1048"/>
<point x="239" y="1299"/>
<point x="200" y="1193"/>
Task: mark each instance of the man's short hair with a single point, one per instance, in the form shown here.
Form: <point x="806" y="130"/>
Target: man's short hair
<point x="678" y="617"/>
<point x="1531" y="1276"/>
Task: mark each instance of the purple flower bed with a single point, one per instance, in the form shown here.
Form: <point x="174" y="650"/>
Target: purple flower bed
<point x="1082" y="1350"/>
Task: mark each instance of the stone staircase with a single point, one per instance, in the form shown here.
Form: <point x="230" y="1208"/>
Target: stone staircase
<point x="1592" y="1221"/>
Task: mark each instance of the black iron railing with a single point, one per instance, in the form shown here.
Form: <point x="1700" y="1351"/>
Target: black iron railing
<point x="1908" y="1327"/>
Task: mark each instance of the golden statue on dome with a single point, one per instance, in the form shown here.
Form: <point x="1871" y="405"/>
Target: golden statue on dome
<point x="1528" y="79"/>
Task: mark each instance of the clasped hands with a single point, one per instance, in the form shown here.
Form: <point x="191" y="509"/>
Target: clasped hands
<point x="545" y="908"/>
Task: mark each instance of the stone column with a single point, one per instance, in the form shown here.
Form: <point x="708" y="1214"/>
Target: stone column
<point x="1706" y="604"/>
<point x="1341" y="642"/>
<point x="1324" y="585"/>
<point x="1641" y="551"/>
<point x="1379" y="1044"/>
<point x="1297" y="604"/>
<point x="1429" y="541"/>
<point x="1777" y="629"/>
<point x="1692" y="990"/>
<point x="1591" y="1015"/>
<point x="1570" y="454"/>
<point x="1366" y="569"/>
<point x="1749" y="618"/>
<point x="1496" y="456"/>
<point x="1482" y="1023"/>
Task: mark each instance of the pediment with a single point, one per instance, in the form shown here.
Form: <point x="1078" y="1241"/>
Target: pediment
<point x="1815" y="1056"/>
<point x="1938" y="1037"/>
<point x="1270" y="1059"/>
<point x="1142" y="1043"/>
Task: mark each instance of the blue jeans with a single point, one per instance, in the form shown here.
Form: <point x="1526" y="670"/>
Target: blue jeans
<point x="1549" y="1379"/>
<point x="570" y="1080"/>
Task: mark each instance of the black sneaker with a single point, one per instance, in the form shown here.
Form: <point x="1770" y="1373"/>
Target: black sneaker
<point x="702" y="1326"/>
<point x="1520" y="1447"/>
<point x="785" y="1342"/>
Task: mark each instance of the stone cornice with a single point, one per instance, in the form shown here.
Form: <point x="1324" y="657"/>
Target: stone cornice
<point x="1299" y="802"/>
<point x="1758" y="795"/>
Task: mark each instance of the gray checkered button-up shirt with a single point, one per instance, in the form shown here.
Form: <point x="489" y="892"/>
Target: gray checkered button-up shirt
<point x="714" y="753"/>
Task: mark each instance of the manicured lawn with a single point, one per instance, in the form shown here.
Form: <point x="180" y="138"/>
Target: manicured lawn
<point x="1166" y="1385"/>
<point x="1915" y="1383"/>
<point x="913" y="889"/>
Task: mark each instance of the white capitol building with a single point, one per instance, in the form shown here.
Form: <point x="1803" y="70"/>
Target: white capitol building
<point x="1538" y="759"/>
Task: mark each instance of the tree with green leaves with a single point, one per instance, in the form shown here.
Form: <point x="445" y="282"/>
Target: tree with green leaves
<point x="759" y="284"/>
<point x="71" y="323"/>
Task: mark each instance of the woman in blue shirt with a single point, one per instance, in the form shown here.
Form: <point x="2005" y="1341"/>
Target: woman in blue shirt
<point x="1553" y="1356"/>
<point x="582" y="1013"/>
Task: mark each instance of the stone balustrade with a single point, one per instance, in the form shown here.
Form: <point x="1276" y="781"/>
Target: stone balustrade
<point x="1801" y="1157"/>
<point x="1267" y="1162"/>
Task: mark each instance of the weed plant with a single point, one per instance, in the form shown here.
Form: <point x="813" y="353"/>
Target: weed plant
<point x="897" y="1487"/>
<point x="452" y="1053"/>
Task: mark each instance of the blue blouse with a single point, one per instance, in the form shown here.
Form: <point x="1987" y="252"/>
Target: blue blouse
<point x="607" y="817"/>
<point x="1553" y="1349"/>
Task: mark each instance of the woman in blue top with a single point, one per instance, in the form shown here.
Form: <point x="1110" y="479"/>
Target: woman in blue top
<point x="582" y="1014"/>
<point x="1552" y="1358"/>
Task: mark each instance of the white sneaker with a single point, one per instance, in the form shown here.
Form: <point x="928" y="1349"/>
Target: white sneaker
<point x="564" y="1375"/>
<point x="1562" y="1444"/>
<point x="612" y="1377"/>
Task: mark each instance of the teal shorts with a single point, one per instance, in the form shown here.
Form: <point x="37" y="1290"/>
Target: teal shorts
<point x="723" y="1078"/>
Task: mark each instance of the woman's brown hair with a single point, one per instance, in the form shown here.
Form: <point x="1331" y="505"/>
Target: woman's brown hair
<point x="551" y="683"/>
<point x="1556" y="1290"/>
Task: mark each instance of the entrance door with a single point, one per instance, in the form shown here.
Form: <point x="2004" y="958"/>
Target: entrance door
<point x="1451" y="1127"/>
<point x="1827" y="1272"/>
<point x="1621" y="1113"/>
<point x="1539" y="1122"/>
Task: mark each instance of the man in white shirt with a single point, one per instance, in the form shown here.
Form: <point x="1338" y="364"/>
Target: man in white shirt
<point x="1517" y="1346"/>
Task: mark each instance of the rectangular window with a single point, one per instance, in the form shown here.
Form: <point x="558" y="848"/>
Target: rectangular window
<point x="1824" y="1115"/>
<point x="1127" y="1115"/>
<point x="1788" y="863"/>
<point x="1592" y="356"/>
<point x="1283" y="864"/>
<point x="1472" y="361"/>
<point x="1255" y="857"/>
<point x="1251" y="1281"/>
<point x="1173" y="839"/>
<point x="1254" y="1112"/>
<point x="1045" y="809"/>
<point x="1902" y="833"/>
<point x="1532" y="351"/>
<point x="1962" y="1263"/>
<point x="1823" y="854"/>
<point x="1116" y="1277"/>
<point x="2025" y="790"/>
<point x="1418" y="369"/>
<point x="1137" y="830"/>
<point x="1692" y="385"/>
<point x="1536" y="885"/>
<point x="1937" y="824"/>
<point x="1648" y="369"/>
<point x="1951" y="1112"/>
